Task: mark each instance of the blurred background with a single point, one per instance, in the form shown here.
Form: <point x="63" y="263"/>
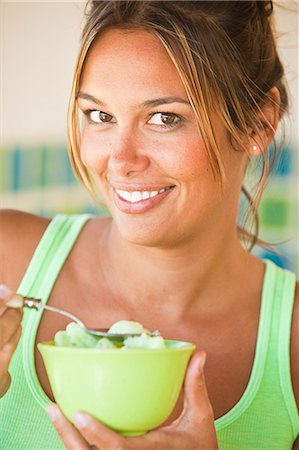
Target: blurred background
<point x="39" y="43"/>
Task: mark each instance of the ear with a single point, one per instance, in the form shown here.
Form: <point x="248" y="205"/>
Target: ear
<point x="267" y="119"/>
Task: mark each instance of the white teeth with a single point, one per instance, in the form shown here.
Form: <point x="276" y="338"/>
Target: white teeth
<point x="137" y="196"/>
<point x="145" y="195"/>
<point x="124" y="194"/>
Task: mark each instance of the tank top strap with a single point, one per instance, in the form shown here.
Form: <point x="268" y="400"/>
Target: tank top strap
<point x="38" y="281"/>
<point x="281" y="284"/>
<point x="50" y="255"/>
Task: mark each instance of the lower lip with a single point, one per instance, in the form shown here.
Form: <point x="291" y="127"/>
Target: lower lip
<point x="141" y="206"/>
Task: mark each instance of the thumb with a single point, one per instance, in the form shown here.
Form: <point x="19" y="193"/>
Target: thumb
<point x="196" y="400"/>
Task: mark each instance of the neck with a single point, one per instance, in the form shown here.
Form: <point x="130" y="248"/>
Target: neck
<point x="200" y="274"/>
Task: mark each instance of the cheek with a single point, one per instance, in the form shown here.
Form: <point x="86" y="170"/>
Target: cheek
<point x="191" y="161"/>
<point x="92" y="153"/>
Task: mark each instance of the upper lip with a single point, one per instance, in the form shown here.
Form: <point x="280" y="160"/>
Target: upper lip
<point x="139" y="187"/>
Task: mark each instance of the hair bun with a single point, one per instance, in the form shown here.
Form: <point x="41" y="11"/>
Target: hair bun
<point x="264" y="7"/>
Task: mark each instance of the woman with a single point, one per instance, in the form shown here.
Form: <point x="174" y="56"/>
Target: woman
<point x="175" y="99"/>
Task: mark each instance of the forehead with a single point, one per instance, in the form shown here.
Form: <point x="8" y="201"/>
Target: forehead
<point x="122" y="59"/>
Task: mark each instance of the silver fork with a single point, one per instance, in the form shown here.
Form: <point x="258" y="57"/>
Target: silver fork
<point x="19" y="301"/>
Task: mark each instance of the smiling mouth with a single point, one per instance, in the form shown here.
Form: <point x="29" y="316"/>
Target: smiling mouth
<point x="138" y="196"/>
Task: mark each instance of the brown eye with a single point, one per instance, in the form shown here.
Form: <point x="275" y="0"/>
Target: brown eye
<point x="100" y="117"/>
<point x="168" y="118"/>
<point x="164" y="119"/>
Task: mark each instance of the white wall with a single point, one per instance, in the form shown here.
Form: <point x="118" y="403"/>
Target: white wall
<point x="39" y="41"/>
<point x="287" y="34"/>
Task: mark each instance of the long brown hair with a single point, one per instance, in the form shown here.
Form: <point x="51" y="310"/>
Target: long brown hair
<point x="226" y="56"/>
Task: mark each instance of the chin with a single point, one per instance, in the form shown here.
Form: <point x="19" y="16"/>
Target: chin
<point x="149" y="234"/>
<point x="141" y="232"/>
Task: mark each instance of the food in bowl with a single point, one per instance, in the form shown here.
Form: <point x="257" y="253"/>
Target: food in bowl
<point x="76" y="336"/>
<point x="131" y="389"/>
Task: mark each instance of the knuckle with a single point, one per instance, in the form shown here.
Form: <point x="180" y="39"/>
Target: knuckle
<point x="9" y="325"/>
<point x="201" y="416"/>
<point x="5" y="380"/>
<point x="60" y="428"/>
<point x="2" y="336"/>
<point x="92" y="428"/>
<point x="121" y="446"/>
<point x="57" y="425"/>
<point x="16" y="314"/>
<point x="185" y="421"/>
<point x="201" y="383"/>
<point x="206" y="416"/>
<point x="7" y="348"/>
<point x="19" y="331"/>
<point x="4" y="361"/>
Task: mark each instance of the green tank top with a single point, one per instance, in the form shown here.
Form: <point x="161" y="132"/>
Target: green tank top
<point x="264" y="418"/>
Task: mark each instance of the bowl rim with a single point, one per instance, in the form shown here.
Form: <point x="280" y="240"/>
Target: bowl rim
<point x="50" y="346"/>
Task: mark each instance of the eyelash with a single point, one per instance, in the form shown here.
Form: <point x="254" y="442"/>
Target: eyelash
<point x="178" y="119"/>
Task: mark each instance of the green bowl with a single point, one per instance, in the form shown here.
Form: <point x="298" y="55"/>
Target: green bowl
<point x="131" y="391"/>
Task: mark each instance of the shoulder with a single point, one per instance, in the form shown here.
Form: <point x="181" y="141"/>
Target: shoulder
<point x="295" y="345"/>
<point x="20" y="234"/>
<point x="13" y="218"/>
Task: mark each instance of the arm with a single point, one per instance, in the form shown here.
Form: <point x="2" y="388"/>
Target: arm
<point x="295" y="354"/>
<point x="19" y="235"/>
<point x="10" y="332"/>
<point x="19" y="232"/>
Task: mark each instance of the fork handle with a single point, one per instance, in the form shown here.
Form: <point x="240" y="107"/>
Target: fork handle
<point x="34" y="303"/>
<point x="19" y="301"/>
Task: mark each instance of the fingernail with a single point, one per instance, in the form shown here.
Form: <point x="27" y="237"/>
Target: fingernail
<point x="16" y="301"/>
<point x="52" y="411"/>
<point x="81" y="420"/>
<point x="4" y="291"/>
<point x="202" y="361"/>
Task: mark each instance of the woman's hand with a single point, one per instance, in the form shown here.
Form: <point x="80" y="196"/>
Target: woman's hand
<point x="193" y="430"/>
<point x="10" y="332"/>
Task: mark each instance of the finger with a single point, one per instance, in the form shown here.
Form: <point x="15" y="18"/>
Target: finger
<point x="9" y="323"/>
<point x="197" y="417"/>
<point x="71" y="438"/>
<point x="5" y="357"/>
<point x="5" y="294"/>
<point x="8" y="349"/>
<point x="197" y="405"/>
<point x="15" y="301"/>
<point x="10" y="299"/>
<point x="98" y="434"/>
<point x="5" y="381"/>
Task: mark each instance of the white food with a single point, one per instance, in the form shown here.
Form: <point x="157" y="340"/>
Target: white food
<point x="127" y="327"/>
<point x="144" y="341"/>
<point x="75" y="336"/>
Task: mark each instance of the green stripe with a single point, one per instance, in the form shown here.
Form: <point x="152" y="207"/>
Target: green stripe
<point x="47" y="261"/>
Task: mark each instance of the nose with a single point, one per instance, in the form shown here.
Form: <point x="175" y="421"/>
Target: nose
<point x="127" y="155"/>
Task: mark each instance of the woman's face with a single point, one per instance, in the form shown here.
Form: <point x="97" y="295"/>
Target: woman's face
<point x="142" y="145"/>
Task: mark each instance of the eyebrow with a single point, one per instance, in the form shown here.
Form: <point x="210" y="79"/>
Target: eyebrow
<point x="146" y="104"/>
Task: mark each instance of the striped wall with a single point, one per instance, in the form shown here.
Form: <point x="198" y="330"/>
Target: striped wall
<point x="40" y="179"/>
